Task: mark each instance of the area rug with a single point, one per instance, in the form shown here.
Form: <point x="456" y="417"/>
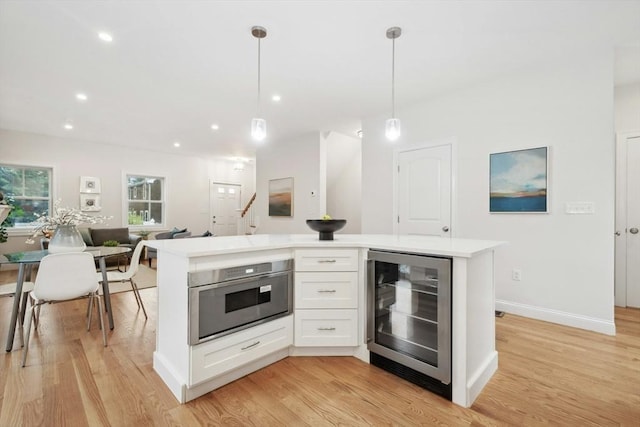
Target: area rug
<point x="145" y="278"/>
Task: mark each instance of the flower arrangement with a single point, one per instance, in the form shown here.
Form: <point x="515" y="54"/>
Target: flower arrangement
<point x="63" y="216"/>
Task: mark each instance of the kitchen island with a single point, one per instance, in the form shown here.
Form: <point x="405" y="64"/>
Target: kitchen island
<point x="191" y="370"/>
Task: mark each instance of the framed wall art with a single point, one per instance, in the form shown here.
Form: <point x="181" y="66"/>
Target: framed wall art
<point x="90" y="203"/>
<point x="519" y="181"/>
<point x="281" y="197"/>
<point x="89" y="184"/>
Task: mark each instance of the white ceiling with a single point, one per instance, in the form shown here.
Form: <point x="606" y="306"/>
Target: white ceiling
<point x="176" y="67"/>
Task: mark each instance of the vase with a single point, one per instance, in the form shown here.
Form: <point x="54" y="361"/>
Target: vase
<point x="67" y="238"/>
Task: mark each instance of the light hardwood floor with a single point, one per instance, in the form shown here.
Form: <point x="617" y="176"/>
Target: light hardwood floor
<point x="548" y="374"/>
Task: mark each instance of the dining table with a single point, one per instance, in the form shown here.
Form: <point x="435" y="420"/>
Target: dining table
<point x="28" y="259"/>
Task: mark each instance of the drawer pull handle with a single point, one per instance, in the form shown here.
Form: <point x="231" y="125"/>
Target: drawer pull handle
<point x="327" y="261"/>
<point x="327" y="291"/>
<point x="251" y="345"/>
<point x="326" y="329"/>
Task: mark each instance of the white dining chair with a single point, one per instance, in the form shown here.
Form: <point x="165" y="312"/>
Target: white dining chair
<point x="63" y="277"/>
<point x="9" y="290"/>
<point x="127" y="276"/>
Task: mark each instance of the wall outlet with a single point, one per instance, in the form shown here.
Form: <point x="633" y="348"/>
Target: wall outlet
<point x="516" y="275"/>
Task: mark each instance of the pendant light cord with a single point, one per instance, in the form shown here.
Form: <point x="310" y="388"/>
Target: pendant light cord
<point x="393" y="78"/>
<point x="258" y="101"/>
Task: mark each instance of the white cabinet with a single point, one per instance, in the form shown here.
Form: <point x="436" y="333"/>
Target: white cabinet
<point x="326" y="259"/>
<point x="326" y="298"/>
<point x="326" y="289"/>
<point x="216" y="357"/>
<point x="326" y="328"/>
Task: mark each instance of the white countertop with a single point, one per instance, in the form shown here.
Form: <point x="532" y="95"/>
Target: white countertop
<point x="206" y="246"/>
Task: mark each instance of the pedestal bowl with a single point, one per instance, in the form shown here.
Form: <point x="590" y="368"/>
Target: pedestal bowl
<point x="326" y="227"/>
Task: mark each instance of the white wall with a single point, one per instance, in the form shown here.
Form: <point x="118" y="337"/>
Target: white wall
<point x="187" y="177"/>
<point x="627" y="107"/>
<point x="344" y="180"/>
<point x="566" y="260"/>
<point x="299" y="158"/>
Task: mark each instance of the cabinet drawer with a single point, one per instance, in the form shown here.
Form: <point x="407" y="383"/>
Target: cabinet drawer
<point x="216" y="357"/>
<point x="326" y="328"/>
<point x="326" y="290"/>
<point x="326" y="260"/>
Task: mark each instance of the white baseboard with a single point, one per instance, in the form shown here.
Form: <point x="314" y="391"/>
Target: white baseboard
<point x="481" y="377"/>
<point x="169" y="376"/>
<point x="561" y="317"/>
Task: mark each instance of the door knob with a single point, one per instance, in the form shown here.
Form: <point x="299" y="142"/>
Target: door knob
<point x="617" y="233"/>
<point x="633" y="230"/>
<point x="445" y="229"/>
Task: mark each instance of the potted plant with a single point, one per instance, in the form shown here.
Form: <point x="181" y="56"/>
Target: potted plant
<point x="5" y="210"/>
<point x="144" y="234"/>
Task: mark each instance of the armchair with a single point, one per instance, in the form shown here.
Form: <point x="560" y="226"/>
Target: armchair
<point x="173" y="234"/>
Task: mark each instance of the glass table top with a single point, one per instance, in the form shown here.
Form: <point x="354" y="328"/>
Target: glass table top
<point x="36" y="256"/>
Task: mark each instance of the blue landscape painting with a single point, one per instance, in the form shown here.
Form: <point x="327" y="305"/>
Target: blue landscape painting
<point x="518" y="181"/>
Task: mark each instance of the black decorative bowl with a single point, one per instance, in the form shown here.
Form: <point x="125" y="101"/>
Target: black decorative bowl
<point x="326" y="227"/>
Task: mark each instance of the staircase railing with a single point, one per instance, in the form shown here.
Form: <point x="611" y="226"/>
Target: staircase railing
<point x="246" y="224"/>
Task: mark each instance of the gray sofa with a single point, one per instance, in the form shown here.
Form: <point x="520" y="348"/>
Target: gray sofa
<point x="97" y="237"/>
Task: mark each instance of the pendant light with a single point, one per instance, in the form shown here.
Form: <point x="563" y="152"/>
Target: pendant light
<point x="392" y="129"/>
<point x="258" y="125"/>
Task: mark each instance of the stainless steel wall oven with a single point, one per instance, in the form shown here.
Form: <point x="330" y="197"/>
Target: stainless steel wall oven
<point x="230" y="299"/>
<point x="409" y="317"/>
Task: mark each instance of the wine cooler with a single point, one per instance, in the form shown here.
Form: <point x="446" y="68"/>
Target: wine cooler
<point x="409" y="317"/>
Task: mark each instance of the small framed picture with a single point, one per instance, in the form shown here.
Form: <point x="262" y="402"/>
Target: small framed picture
<point x="90" y="203"/>
<point x="89" y="184"/>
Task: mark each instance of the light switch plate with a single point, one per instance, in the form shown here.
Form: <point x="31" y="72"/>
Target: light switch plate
<point x="580" y="208"/>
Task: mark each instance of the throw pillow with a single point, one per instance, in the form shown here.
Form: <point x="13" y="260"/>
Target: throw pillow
<point x="176" y="230"/>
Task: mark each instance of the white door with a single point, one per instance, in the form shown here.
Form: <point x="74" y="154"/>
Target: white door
<point x="627" y="287"/>
<point x="224" y="207"/>
<point x="424" y="191"/>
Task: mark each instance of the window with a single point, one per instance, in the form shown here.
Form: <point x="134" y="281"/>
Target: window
<point x="145" y="200"/>
<point x="28" y="189"/>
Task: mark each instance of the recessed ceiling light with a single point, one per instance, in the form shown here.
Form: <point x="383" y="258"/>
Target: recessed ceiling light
<point x="276" y="98"/>
<point x="215" y="126"/>
<point x="81" y="96"/>
<point x="176" y="144"/>
<point x="67" y="126"/>
<point x="105" y="37"/>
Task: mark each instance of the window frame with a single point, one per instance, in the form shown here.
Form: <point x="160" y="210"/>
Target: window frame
<point x="126" y="201"/>
<point x="27" y="231"/>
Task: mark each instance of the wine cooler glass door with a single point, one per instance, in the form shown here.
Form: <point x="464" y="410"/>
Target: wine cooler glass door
<point x="410" y="318"/>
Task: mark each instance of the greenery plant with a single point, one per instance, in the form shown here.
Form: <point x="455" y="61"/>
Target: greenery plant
<point x="110" y="243"/>
<point x="3" y="231"/>
<point x="3" y="227"/>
